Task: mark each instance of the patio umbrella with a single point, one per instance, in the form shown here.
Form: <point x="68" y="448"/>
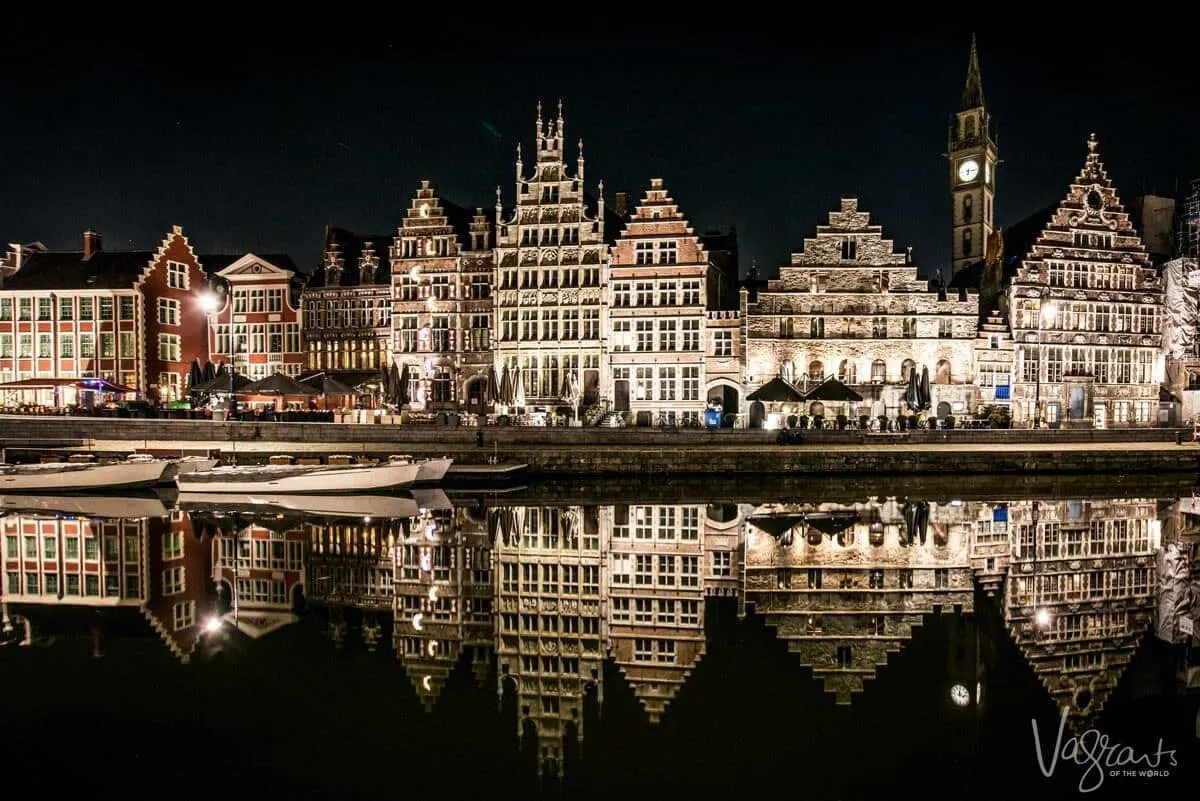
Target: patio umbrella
<point x="402" y="387"/>
<point x="278" y="384"/>
<point x="777" y="390"/>
<point x="926" y="396"/>
<point x="392" y="388"/>
<point x="506" y="387"/>
<point x="518" y="387"/>
<point x="493" y="387"/>
<point x="209" y="373"/>
<point x="570" y="392"/>
<point x="912" y="394"/>
<point x="195" y="374"/>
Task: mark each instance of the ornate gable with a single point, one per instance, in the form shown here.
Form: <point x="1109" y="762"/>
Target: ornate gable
<point x="175" y="245"/>
<point x="251" y="266"/>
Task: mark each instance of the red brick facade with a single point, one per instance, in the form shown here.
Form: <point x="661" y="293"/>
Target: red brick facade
<point x="174" y="283"/>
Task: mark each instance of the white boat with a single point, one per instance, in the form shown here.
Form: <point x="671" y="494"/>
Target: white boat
<point x="97" y="506"/>
<point x="80" y="476"/>
<point x="358" y="506"/>
<point x="318" y="479"/>
<point x="432" y="470"/>
<point x="186" y="464"/>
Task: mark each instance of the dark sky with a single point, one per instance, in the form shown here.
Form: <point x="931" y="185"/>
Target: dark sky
<point x="254" y="138"/>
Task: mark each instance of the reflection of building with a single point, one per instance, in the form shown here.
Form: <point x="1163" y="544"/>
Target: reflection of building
<point x="257" y="330"/>
<point x="550" y="607"/>
<point x="658" y="338"/>
<point x="133" y="318"/>
<point x="347" y="305"/>
<point x="443" y="599"/>
<point x="990" y="545"/>
<point x="844" y="586"/>
<point x="657" y="583"/>
<point x="441" y="304"/>
<point x="551" y="260"/>
<point x="848" y="306"/>
<point x="351" y="564"/>
<point x="154" y="564"/>
<point x="1086" y="314"/>
<point x="260" y="573"/>
<point x="1081" y="592"/>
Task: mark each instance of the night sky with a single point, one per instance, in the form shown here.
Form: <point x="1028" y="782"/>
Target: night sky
<point x="255" y="138"/>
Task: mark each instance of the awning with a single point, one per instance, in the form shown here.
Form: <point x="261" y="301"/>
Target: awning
<point x="831" y="391"/>
<point x="92" y="384"/>
<point x="776" y="391"/>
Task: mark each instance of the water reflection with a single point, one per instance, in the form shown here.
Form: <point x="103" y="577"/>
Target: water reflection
<point x="533" y="600"/>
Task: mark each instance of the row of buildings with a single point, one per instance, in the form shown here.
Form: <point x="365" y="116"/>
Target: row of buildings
<point x="556" y="301"/>
<point x="537" y="598"/>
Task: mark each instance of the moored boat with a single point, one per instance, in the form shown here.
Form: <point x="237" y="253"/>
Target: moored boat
<point x="432" y="470"/>
<point x="350" y="506"/>
<point x="81" y="476"/>
<point x="186" y="464"/>
<point x="301" y="479"/>
<point x="96" y="506"/>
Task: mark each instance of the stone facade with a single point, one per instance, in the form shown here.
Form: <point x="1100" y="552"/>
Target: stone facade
<point x="1081" y="594"/>
<point x="551" y="272"/>
<point x="658" y="336"/>
<point x="845" y="585"/>
<point x="994" y="361"/>
<point x="1087" y="315"/>
<point x="850" y="306"/>
<point x="347" y="305"/>
<point x="441" y="305"/>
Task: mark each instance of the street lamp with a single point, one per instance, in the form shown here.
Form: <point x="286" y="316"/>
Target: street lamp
<point x="1046" y="313"/>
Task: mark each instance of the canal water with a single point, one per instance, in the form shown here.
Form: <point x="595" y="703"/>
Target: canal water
<point x="606" y="641"/>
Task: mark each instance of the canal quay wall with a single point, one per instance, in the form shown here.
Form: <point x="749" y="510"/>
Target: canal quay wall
<point x="632" y="451"/>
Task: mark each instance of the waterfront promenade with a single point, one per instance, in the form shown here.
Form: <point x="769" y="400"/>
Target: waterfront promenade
<point x="623" y="451"/>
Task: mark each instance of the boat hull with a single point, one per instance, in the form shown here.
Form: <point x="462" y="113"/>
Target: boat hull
<point x="188" y="464"/>
<point x="351" y="506"/>
<point x="433" y="470"/>
<point x="317" y="480"/>
<point x="83" y="478"/>
<point x="98" y="506"/>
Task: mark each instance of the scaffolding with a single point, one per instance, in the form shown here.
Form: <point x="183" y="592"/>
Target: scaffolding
<point x="1187" y="237"/>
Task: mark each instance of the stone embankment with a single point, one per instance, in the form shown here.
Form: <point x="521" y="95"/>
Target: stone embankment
<point x="636" y="451"/>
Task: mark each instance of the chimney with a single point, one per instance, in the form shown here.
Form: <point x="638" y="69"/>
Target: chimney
<point x="91" y="243"/>
<point x="621" y="205"/>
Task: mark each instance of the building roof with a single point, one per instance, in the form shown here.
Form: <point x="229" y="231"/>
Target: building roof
<point x="213" y="263"/>
<point x="351" y="246"/>
<point x="65" y="270"/>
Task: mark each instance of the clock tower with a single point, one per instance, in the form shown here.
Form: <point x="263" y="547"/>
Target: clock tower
<point x="972" y="152"/>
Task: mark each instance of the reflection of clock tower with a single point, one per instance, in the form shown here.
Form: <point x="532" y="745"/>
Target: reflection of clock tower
<point x="972" y="151"/>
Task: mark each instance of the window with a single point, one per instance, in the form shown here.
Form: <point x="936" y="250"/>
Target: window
<point x="966" y="242"/>
<point x="127" y="341"/>
<point x="45" y="308"/>
<point x="816" y="328"/>
<point x="108" y="345"/>
<point x="845" y="656"/>
<point x="106" y="308"/>
<point x="66" y="346"/>
<point x="668" y="253"/>
<point x="168" y="311"/>
<point x="849" y="249"/>
<point x="87" y="309"/>
<point x="25" y="346"/>
<point x="177" y="275"/>
<point x="722" y="563"/>
<point x="6" y="346"/>
<point x="125" y="307"/>
<point x="66" y="309"/>
<point x="168" y="347"/>
<point x="184" y="613"/>
<point x="723" y="343"/>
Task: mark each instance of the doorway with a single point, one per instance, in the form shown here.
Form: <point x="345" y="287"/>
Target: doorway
<point x="621" y="395"/>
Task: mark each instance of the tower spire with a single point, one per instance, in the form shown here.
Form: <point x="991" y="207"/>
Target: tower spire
<point x="972" y="96"/>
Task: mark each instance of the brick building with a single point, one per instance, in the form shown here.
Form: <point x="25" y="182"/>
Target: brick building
<point x="132" y="318"/>
<point x="255" y="324"/>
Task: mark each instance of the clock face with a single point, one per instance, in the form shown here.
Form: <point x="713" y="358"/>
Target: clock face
<point x="960" y="695"/>
<point x="968" y="170"/>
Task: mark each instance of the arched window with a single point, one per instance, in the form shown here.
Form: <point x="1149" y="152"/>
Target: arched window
<point x="968" y="207"/>
<point x="906" y="367"/>
<point x="943" y="372"/>
<point x="878" y="371"/>
<point x="816" y="371"/>
<point x="847" y="373"/>
<point x="966" y="242"/>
